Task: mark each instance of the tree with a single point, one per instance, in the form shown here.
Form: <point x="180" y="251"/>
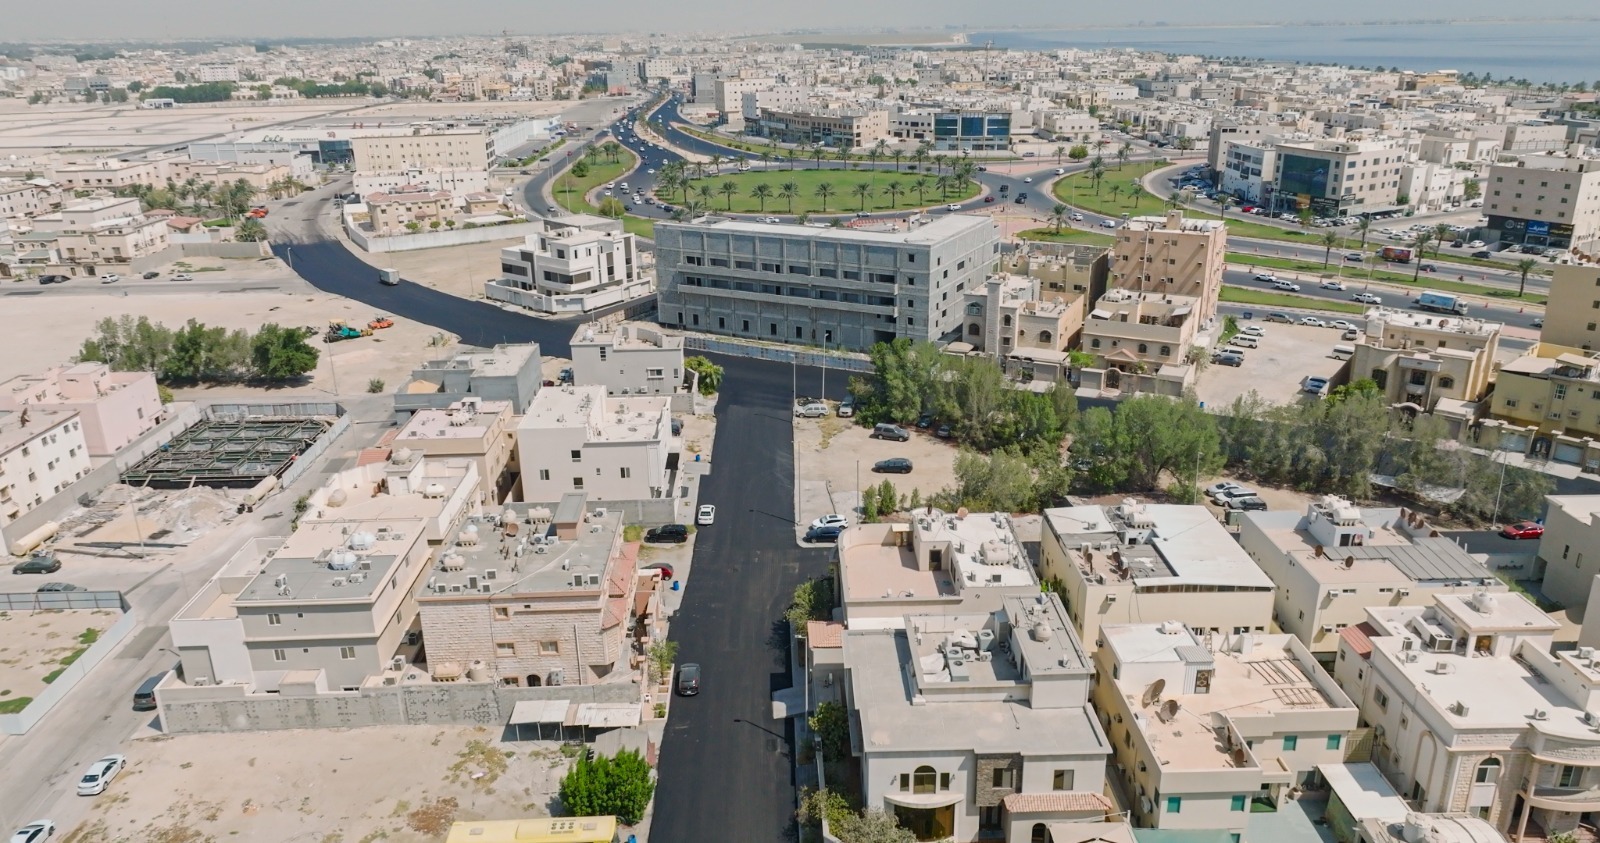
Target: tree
<point x="250" y="231"/>
<point x="1363" y="227"/>
<point x="1000" y="482"/>
<point x="817" y="805"/>
<point x="1147" y="437"/>
<point x="1078" y="152"/>
<point x="872" y="825"/>
<point x="1329" y="240"/>
<point x="435" y="224"/>
<point x="893" y="190"/>
<point x="1059" y="215"/>
<point x="863" y="191"/>
<point x="1524" y="266"/>
<point x="1420" y="244"/>
<point x="728" y="189"/>
<point x="601" y="786"/>
<point x="1441" y="235"/>
<point x="831" y="724"/>
<point x="612" y="207"/>
<point x="813" y="599"/>
<point x="1304" y="216"/>
<point x="1123" y="152"/>
<point x="788" y="191"/>
<point x="920" y="186"/>
<point x="1116" y="190"/>
<point x="817" y="153"/>
<point x="281" y="354"/>
<point x="661" y="656"/>
<point x="135" y="86"/>
<point x="761" y="193"/>
<point x="823" y="191"/>
<point x="1097" y="172"/>
<point x="888" y="498"/>
<point x="710" y="374"/>
<point x="1470" y="189"/>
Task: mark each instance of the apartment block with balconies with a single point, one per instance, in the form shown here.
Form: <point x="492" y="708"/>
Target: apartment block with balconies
<point x="576" y="265"/>
<point x="1435" y="364"/>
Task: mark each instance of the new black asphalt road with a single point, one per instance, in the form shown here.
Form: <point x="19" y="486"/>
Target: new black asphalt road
<point x="725" y="763"/>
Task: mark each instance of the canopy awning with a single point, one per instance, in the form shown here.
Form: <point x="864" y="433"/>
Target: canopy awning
<point x="539" y="711"/>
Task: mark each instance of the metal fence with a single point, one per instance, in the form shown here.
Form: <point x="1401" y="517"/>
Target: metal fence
<point x="54" y="600"/>
<point x="843" y="361"/>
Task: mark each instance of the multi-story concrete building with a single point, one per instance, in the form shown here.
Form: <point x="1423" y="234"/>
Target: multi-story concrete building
<point x="20" y="200"/>
<point x="1249" y="169"/>
<point x="728" y="94"/>
<point x="1227" y="130"/>
<point x="111" y="173"/>
<point x="1335" y="559"/>
<point x="1202" y="731"/>
<point x="1572" y="316"/>
<point x="1338" y="178"/>
<point x="525" y="620"/>
<point x="1011" y="320"/>
<point x="437" y="148"/>
<point x="1064" y="270"/>
<point x="1441" y="364"/>
<point x="470" y="429"/>
<point x="954" y="131"/>
<point x="1553" y="395"/>
<point x="115" y="407"/>
<point x="655" y="69"/>
<point x="577" y="264"/>
<point x="94" y="233"/>
<point x="1172" y="256"/>
<point x="214" y="72"/>
<point x="576" y="439"/>
<point x="1492" y="722"/>
<point x="393" y="214"/>
<point x="1132" y="562"/>
<point x="1546" y="199"/>
<point x="976" y="724"/>
<point x="830" y="128"/>
<point x="453" y="182"/>
<point x="780" y="98"/>
<point x="42" y="451"/>
<point x="1534" y="136"/>
<point x="628" y="359"/>
<point x="837" y="287"/>
<point x="400" y="484"/>
<point x="1131" y="332"/>
<point x="505" y="373"/>
<point x="1571" y="532"/>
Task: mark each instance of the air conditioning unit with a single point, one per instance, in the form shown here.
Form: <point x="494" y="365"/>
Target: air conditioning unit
<point x="1328" y="627"/>
<point x="1334" y="594"/>
<point x="1403" y="592"/>
<point x="1111" y="598"/>
<point x="201" y="681"/>
<point x="397" y="663"/>
<point x="1586" y="653"/>
<point x="491" y="573"/>
<point x="1591" y="719"/>
<point x="1541" y="714"/>
<point x="1408" y="643"/>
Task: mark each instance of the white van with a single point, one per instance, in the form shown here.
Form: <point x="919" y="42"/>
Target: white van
<point x="814" y="410"/>
<point x="1343" y="352"/>
<point x="1244" y="341"/>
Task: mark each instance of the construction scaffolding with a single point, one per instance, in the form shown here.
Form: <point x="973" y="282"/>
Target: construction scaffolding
<point x="232" y="453"/>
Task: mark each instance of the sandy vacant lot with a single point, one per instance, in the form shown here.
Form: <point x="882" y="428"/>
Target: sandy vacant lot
<point x="830" y="451"/>
<point x="49" y="330"/>
<point x="1288" y="354"/>
<point x="34" y="644"/>
<point x="399" y="784"/>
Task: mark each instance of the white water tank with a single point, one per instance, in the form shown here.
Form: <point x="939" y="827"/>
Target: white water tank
<point x="477" y="671"/>
<point x="362" y="540"/>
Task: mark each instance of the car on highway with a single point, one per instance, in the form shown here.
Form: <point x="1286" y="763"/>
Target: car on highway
<point x="1076" y="217"/>
<point x="151" y="274"/>
<point x="830" y="520"/>
<point x="1538" y="322"/>
<point x="37" y="831"/>
<point x="39" y="563"/>
<point x="1355" y="257"/>
<point x="897" y="465"/>
<point x="826" y="534"/>
<point x="688" y="679"/>
<point x="1108" y="223"/>
<point x="706" y="516"/>
<point x="1475" y="244"/>
<point x="988" y="199"/>
<point x="183" y="276"/>
<point x="1313" y="322"/>
<point x="1027" y="180"/>
<point x="1286" y="285"/>
<point x="1523" y="530"/>
<point x="110" y="279"/>
<point x="1332" y="284"/>
<point x="1368" y="298"/>
<point x="1265" y="276"/>
<point x="1278" y="317"/>
<point x="953" y="206"/>
<point x="99" y="775"/>
<point x="1483" y="254"/>
<point x="667" y="534"/>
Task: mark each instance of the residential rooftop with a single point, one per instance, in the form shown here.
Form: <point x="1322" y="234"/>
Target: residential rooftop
<point x="1385" y="537"/>
<point x="516" y="551"/>
<point x="1379" y="317"/>
<point x="927" y="234"/>
<point x="20" y="426"/>
<point x="627" y="335"/>
<point x="1155" y="545"/>
<point x="501" y="361"/>
<point x="637" y="419"/>
<point x="461" y="420"/>
<point x="334" y="560"/>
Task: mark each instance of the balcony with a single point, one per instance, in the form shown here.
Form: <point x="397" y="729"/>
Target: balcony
<point x="1569" y="799"/>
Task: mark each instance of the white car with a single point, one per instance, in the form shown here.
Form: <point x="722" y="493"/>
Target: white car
<point x="651" y="172"/>
<point x="1368" y="298"/>
<point x="99" y="775"/>
<point x="772" y="220"/>
<point x="1027" y="180"/>
<point x="110" y="279"/>
<point x="1286" y="285"/>
<point x="1476" y="244"/>
<point x="1218" y="488"/>
<point x="1341" y="325"/>
<point x="954" y="206"/>
<point x="1265" y="276"/>
<point x="1060" y="172"/>
<point x="1253" y="331"/>
<point x="37" y="831"/>
<point x="1313" y="322"/>
<point x="1332" y="284"/>
<point x="706" y="516"/>
<point x="611" y="185"/>
<point x="830" y="521"/>
<point x="1234" y="491"/>
<point x="1076" y="217"/>
<point x="1108" y="223"/>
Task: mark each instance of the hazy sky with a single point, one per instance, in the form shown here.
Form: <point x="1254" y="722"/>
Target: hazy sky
<point x="176" y="19"/>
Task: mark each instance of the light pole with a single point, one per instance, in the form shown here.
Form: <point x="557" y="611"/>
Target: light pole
<point x="1500" y="488"/>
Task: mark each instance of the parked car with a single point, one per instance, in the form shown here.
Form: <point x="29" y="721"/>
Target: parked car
<point x="149" y="275"/>
<point x="1341" y="325"/>
<point x="99" y="775"/>
<point x="183" y="276"/>
<point x="110" y="279"/>
<point x="37" y="564"/>
<point x="891" y="431"/>
<point x="668" y="533"/>
<point x="1286" y="285"/>
<point x="1355" y="257"/>
<point x="1253" y="331"/>
<point x="925" y="421"/>
<point x="847" y="407"/>
<point x="688" y="679"/>
<point x="37" y="831"/>
<point x="664" y="568"/>
<point x="1278" y="317"/>
<point x="813" y="410"/>
<point x="1250" y="504"/>
<point x="1315" y="386"/>
<point x="706" y="516"/>
<point x="1222" y="498"/>
<point x="827" y="534"/>
<point x="897" y="465"/>
<point x="1523" y="530"/>
<point x="56" y="587"/>
<point x="1368" y="298"/>
<point x="1221" y="486"/>
<point x="1313" y="322"/>
<point x="943" y="431"/>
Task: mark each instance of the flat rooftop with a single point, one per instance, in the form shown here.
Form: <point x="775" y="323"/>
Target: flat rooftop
<point x="334" y="560"/>
<point x="501" y="361"/>
<point x="1414" y="558"/>
<point x="930" y="233"/>
<point x="459" y="421"/>
<point x="877" y="570"/>
<point x="1155" y="545"/>
<point x="522" y="565"/>
<point x="890" y="722"/>
<point x="627" y="335"/>
<point x="14" y="433"/>
<point x="637" y="419"/>
<point x="1519" y="689"/>
<point x="1379" y="317"/>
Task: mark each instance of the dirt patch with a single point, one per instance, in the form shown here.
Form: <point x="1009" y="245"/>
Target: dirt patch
<point x="36" y="646"/>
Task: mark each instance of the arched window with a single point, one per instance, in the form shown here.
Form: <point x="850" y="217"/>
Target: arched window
<point x="924" y="780"/>
<point x="972" y="330"/>
<point x="1144" y="348"/>
<point x="1094" y="343"/>
<point x="1006" y="320"/>
<point x="1040" y="834"/>
<point x="1488" y="771"/>
<point x="1446" y="382"/>
<point x="1044" y="336"/>
<point x="1166" y="351"/>
<point x="1022" y="336"/>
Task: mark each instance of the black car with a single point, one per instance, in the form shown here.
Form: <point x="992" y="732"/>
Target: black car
<point x="1483" y="254"/>
<point x="898" y="465"/>
<point x="671" y="533"/>
<point x="1228" y="358"/>
<point x="826" y="534"/>
<point x="40" y="564"/>
<point x="688" y="679"/>
<point x="149" y="275"/>
<point x="925" y="421"/>
<point x="52" y="279"/>
<point x="1247" y="504"/>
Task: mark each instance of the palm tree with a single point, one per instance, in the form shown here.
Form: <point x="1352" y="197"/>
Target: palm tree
<point x="789" y="190"/>
<point x="823" y="191"/>
<point x="1123" y="152"/>
<point x="766" y="157"/>
<point x="842" y="155"/>
<point x="1058" y="216"/>
<point x="1060" y="151"/>
<point x="1524" y="266"/>
<point x="1420" y="244"/>
<point x="920" y="156"/>
<point x="942" y="184"/>
<point x="1441" y="233"/>
<point x="791" y="154"/>
<point x="1115" y="191"/>
<point x="716" y="163"/>
<point x="862" y="192"/>
<point x="877" y="151"/>
<point x="703" y="193"/>
<point x="761" y="193"/>
<point x="817" y="153"/>
<point x="1329" y="240"/>
<point x="803" y="218"/>
<point x="1304" y="218"/>
<point x="920" y="185"/>
<point x="1363" y="227"/>
<point x="893" y="191"/>
<point x="728" y="189"/>
<point x="1097" y="172"/>
<point x="898" y="154"/>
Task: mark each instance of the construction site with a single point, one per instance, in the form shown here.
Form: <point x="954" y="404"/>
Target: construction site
<point x="229" y="453"/>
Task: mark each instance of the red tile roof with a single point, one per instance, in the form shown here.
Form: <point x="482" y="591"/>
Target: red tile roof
<point x="825" y="634"/>
<point x="1359" y="637"/>
<point x="1060" y="801"/>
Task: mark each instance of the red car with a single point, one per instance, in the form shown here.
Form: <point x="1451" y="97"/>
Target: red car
<point x="988" y="198"/>
<point x="1523" y="530"/>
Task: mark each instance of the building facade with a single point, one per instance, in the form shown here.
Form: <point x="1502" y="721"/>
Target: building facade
<point x="1438" y="363"/>
<point x="1171" y="255"/>
<point x="115" y="407"/>
<point x="575" y="439"/>
<point x="1338" y="178"/>
<point x="1548" y="200"/>
<point x="393" y="214"/>
<point x="505" y="373"/>
<point x="577" y="264"/>
<point x="42" y="451"/>
<point x="425" y="149"/>
<point x="628" y="359"/>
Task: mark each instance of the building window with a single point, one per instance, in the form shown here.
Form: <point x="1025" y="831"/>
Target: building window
<point x="1003" y="777"/>
<point x="577" y="456"/>
<point x="505" y="648"/>
<point x="1382" y="699"/>
<point x="659" y="373"/>
<point x="1488" y="771"/>
<point x="549" y="648"/>
<point x="1174" y="804"/>
<point x="1094" y="343"/>
<point x="1569" y="776"/>
<point x="577" y="482"/>
<point x="347" y="653"/>
<point x="1061" y="780"/>
<point x="1290" y="742"/>
<point x="544" y="474"/>
<point x="1143" y="347"/>
<point x="274" y="619"/>
<point x="1335" y="741"/>
<point x="627" y="473"/>
<point x="280" y="656"/>
<point x="924" y="780"/>
<point x="502" y="613"/>
<point x="1237" y="803"/>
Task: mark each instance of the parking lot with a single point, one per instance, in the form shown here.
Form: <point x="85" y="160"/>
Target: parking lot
<point x="832" y="453"/>
<point x="1287" y="355"/>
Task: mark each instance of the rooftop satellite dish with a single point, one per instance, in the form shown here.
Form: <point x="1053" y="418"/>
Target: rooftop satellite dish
<point x="1152" y="694"/>
<point x="1169" y="710"/>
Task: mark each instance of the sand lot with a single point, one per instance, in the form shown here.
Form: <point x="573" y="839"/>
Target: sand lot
<point x="1277" y="369"/>
<point x="399" y="784"/>
<point x="108" y="128"/>
<point x="830" y="450"/>
<point x="33" y="644"/>
<point x="49" y="330"/>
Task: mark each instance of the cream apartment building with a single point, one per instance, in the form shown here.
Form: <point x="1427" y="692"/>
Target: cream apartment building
<point x="1336" y="559"/>
<point x="391" y="213"/>
<point x="1572" y="316"/>
<point x="115" y="407"/>
<point x="1137" y="563"/>
<point x="1201" y="729"/>
<point x="1338" y="177"/>
<point x="1172" y="256"/>
<point x="1437" y="363"/>
<point x="424" y="149"/>
<point x="1569" y="550"/>
<point x="42" y="451"/>
<point x="579" y="263"/>
<point x="1012" y="319"/>
<point x="469" y="429"/>
<point x="577" y="439"/>
<point x="110" y="174"/>
<point x="628" y="359"/>
<point x="96" y="232"/>
<point x="1550" y="400"/>
<point x="1129" y="331"/>
<point x="1545" y="199"/>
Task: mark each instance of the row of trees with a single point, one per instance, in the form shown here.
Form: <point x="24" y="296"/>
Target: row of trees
<point x="353" y="88"/>
<point x="198" y="92"/>
<point x="196" y="353"/>
<point x="202" y="198"/>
